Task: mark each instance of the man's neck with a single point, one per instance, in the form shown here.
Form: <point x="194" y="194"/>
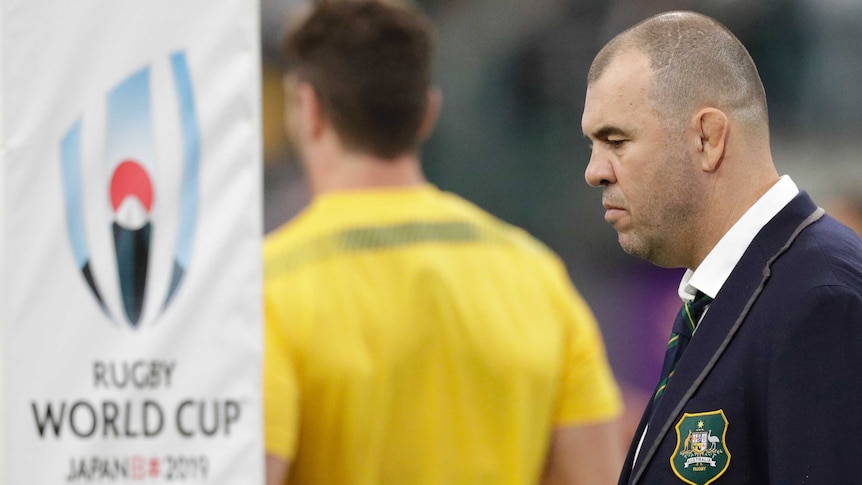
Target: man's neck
<point x="352" y="171"/>
<point x="735" y="189"/>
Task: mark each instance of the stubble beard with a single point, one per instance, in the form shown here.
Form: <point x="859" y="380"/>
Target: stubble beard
<point x="664" y="238"/>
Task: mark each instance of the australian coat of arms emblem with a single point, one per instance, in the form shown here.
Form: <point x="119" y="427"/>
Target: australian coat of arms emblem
<point x="701" y="454"/>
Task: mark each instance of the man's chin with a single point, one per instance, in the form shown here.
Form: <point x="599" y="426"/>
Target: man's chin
<point x="633" y="247"/>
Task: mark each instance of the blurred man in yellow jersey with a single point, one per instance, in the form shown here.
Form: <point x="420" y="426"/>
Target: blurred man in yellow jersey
<point x="412" y="338"/>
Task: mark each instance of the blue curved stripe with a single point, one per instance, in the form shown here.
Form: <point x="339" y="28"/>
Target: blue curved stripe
<point x="191" y="163"/>
<point x="130" y="122"/>
<point x="70" y="152"/>
<point x="70" y="155"/>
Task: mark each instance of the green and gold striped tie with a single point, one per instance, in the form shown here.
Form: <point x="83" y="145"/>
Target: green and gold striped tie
<point x="683" y="328"/>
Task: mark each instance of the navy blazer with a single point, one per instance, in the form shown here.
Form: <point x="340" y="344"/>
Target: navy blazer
<point x="769" y="390"/>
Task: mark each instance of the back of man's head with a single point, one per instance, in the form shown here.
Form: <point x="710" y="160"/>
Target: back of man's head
<point x="696" y="62"/>
<point x="369" y="63"/>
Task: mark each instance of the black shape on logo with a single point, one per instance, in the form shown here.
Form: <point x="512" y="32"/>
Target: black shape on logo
<point x="133" y="255"/>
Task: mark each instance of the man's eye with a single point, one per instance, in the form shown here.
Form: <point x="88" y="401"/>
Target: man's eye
<point x="616" y="143"/>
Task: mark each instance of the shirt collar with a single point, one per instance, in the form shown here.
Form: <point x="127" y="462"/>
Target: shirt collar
<point x="718" y="264"/>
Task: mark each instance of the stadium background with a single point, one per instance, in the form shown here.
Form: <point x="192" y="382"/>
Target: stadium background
<point x="513" y="74"/>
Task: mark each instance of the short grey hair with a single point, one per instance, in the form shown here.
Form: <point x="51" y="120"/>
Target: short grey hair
<point x="696" y="62"/>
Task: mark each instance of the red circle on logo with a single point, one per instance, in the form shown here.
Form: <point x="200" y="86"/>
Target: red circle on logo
<point x="130" y="178"/>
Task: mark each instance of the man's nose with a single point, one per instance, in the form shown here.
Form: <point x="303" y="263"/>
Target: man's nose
<point x="599" y="170"/>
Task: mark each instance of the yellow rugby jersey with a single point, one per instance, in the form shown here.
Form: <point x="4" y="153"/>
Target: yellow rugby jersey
<point x="412" y="338"/>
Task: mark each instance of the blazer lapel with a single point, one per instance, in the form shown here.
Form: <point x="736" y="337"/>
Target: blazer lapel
<point x="708" y="341"/>
<point x="628" y="466"/>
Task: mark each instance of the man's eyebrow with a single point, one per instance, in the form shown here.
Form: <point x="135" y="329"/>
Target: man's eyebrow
<point x="605" y="131"/>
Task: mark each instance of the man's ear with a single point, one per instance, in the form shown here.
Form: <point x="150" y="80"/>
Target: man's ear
<point x="310" y="111"/>
<point x="291" y="112"/>
<point x="711" y="128"/>
<point x="432" y="112"/>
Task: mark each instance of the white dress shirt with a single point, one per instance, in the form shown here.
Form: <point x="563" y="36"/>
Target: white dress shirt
<point x="710" y="276"/>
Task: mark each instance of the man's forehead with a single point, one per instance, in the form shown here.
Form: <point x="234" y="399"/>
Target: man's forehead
<point x="625" y="66"/>
<point x="623" y="85"/>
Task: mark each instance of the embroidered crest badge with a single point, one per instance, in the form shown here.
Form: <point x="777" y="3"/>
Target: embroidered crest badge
<point x="701" y="454"/>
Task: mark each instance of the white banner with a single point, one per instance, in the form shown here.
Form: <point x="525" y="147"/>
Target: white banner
<point x="130" y="234"/>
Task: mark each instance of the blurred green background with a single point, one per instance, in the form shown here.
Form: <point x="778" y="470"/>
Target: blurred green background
<point x="513" y="74"/>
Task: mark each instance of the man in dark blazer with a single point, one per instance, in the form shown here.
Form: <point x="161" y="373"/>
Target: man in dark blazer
<point x="769" y="387"/>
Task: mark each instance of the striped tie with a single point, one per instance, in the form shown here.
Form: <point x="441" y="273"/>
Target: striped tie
<point x="683" y="327"/>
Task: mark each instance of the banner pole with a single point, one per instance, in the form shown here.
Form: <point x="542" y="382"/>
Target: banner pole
<point x="3" y="163"/>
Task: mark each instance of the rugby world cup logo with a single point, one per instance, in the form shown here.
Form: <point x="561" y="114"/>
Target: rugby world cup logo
<point x="130" y="161"/>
